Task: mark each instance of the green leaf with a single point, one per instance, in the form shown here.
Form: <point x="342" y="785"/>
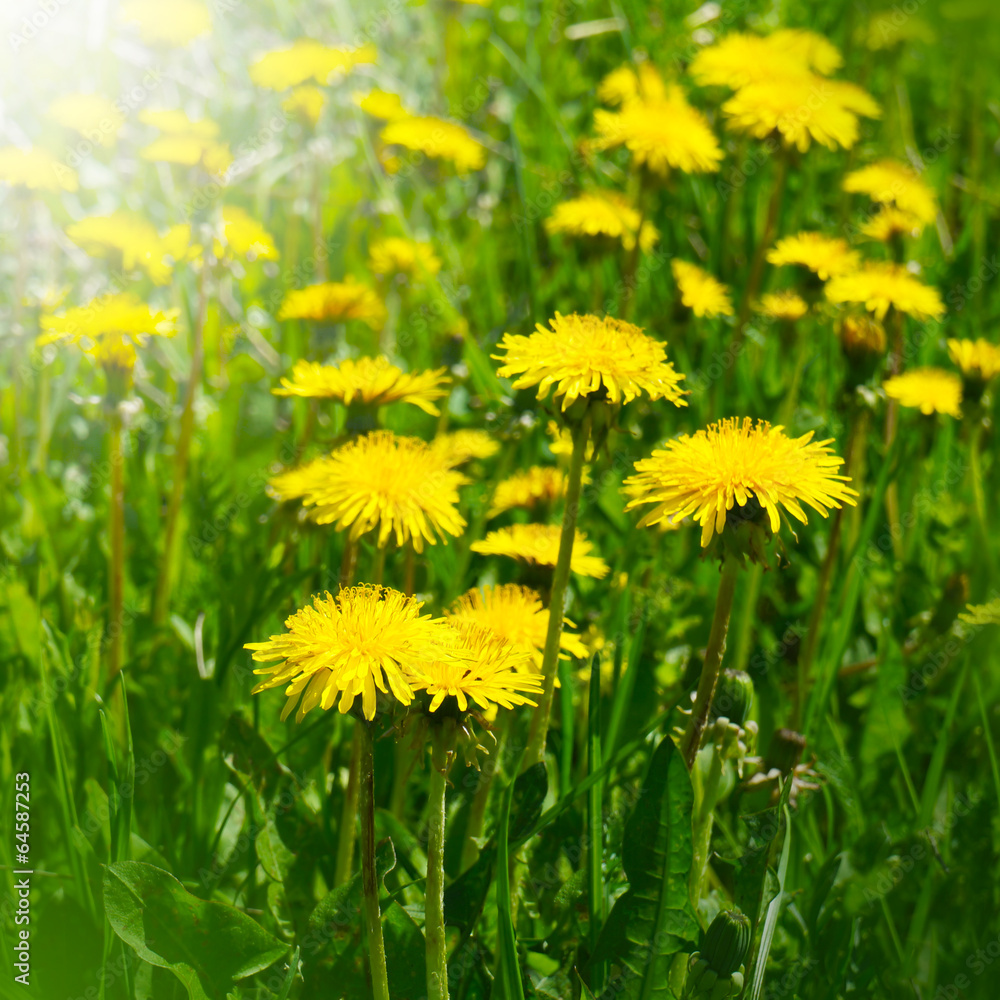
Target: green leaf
<point x="405" y="954"/>
<point x="653" y="920"/>
<point x="206" y="944"/>
<point x="508" y="984"/>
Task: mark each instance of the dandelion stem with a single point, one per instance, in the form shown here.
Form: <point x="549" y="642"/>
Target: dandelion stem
<point x="557" y="604"/>
<point x="691" y="739"/>
<point x="706" y="796"/>
<point x="345" y="838"/>
<point x="369" y="881"/>
<point x="116" y="578"/>
<point x="434" y="932"/>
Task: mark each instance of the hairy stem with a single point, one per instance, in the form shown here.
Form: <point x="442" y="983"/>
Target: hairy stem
<point x="434" y="932"/>
<point x="369" y="882"/>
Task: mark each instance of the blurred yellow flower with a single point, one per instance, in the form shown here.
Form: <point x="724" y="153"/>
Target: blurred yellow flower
<point x="459" y="447"/>
<point x="978" y="359"/>
<point x="335" y="302"/>
<point x="395" y="484"/>
<point x="381" y="104"/>
<point x="539" y="484"/>
<point x="862" y="335"/>
<point x="586" y="355"/>
<point x="740" y="59"/>
<point x="603" y="213"/>
<point x="538" y="545"/>
<point x="656" y="124"/>
<point x="186" y="142"/>
<point x="826" y="256"/>
<point x="306" y="101"/>
<point x="395" y="255"/>
<point x="307" y="59"/>
<point x="516" y="614"/>
<point x="735" y="462"/>
<point x="244" y="236"/>
<point x="893" y="183"/>
<point x="561" y="444"/>
<point x="782" y="306"/>
<point x="354" y="644"/>
<point x="890" y="222"/>
<point x="881" y="284"/>
<point x="138" y="242"/>
<point x="436" y="138"/>
<point x="92" y="115"/>
<point x="700" y="291"/>
<point x="370" y="381"/>
<point x="931" y="390"/>
<point x="35" y="169"/>
<point x="175" y="23"/>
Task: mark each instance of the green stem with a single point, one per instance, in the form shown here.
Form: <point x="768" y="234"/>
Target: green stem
<point x="116" y="580"/>
<point x="891" y="421"/>
<point x="345" y="835"/>
<point x="706" y="796"/>
<point x="691" y="739"/>
<point x="434" y="932"/>
<point x="369" y="881"/>
<point x="975" y="461"/>
<point x="557" y="604"/>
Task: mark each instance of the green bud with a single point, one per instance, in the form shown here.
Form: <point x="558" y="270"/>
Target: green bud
<point x="727" y="942"/>
<point x="733" y="696"/>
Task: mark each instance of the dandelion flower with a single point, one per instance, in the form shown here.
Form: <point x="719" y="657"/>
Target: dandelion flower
<point x="397" y="485"/>
<point x="306" y="59"/>
<point x="931" y="390"/>
<point x="659" y="128"/>
<point x="381" y="104"/>
<point x="541" y="484"/>
<point x="370" y="381"/>
<point x="395" y="255"/>
<point x="365" y="640"/>
<point x="306" y="101"/>
<point x="826" y="256"/>
<point x="586" y="355"/>
<point x="92" y="115"/>
<point x="436" y="138"/>
<point x="174" y="23"/>
<point x="538" y="545"/>
<point x="35" y="169"/>
<point x="603" y="213"/>
<point x="733" y="462"/>
<point x="862" y="336"/>
<point x="785" y="306"/>
<point x="244" y="236"/>
<point x="742" y="58"/>
<point x="335" y="302"/>
<point x="890" y="222"/>
<point x="893" y="183"/>
<point x="700" y="291"/>
<point x="185" y="142"/>
<point x="881" y="284"/>
<point x="516" y="614"/>
<point x="461" y="446"/>
<point x="483" y="668"/>
<point x="978" y="359"/>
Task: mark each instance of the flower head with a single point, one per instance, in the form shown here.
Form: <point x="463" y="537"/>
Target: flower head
<point x="931" y="390"/>
<point x="305" y="101"/>
<point x="35" y="169"/>
<point x="335" y="302"/>
<point x="703" y="294"/>
<point x="881" y="284"/>
<point x="978" y="359"/>
<point x="740" y="58"/>
<point x="382" y="104"/>
<point x="380" y="481"/>
<point x="540" y="484"/>
<point x="461" y="446"/>
<point x="782" y="306"/>
<point x="826" y="256"/>
<point x="394" y="255"/>
<point x="243" y="236"/>
<point x="189" y="143"/>
<point x="516" y="614"/>
<point x="893" y="183"/>
<point x="176" y="23"/>
<point x="657" y="125"/>
<point x="734" y="462"/>
<point x="890" y="222"/>
<point x="603" y="214"/>
<point x="371" y="381"/>
<point x="305" y="60"/>
<point x="862" y="336"/>
<point x="364" y="640"/>
<point x="538" y="544"/>
<point x="436" y="138"/>
<point x="586" y="355"/>
<point x="481" y="667"/>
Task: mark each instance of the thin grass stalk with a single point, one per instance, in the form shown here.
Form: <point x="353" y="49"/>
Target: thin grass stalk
<point x="596" y="900"/>
<point x="442" y="746"/>
<point x="369" y="880"/>
<point x="116" y="529"/>
<point x="557" y="604"/>
<point x="691" y="739"/>
<point x="345" y="835"/>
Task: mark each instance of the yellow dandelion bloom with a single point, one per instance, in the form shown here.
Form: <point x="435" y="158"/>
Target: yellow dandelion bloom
<point x="370" y="381"/>
<point x="982" y="614"/>
<point x="586" y="355"/>
<point x="307" y="59"/>
<point x="459" y="447"/>
<point x="930" y="390"/>
<point x="186" y="142"/>
<point x="890" y="222"/>
<point x="978" y="359"/>
<point x="881" y="284"/>
<point x="826" y="256"/>
<point x="538" y="545"/>
<point x="603" y="213"/>
<point x="862" y="335"/>
<point x="138" y="242"/>
<point x="740" y="58"/>
<point x="244" y="236"/>
<point x="365" y="640"/>
<point x="92" y="115"/>
<point x="540" y="484"/>
<point x="482" y="667"/>
<point x="395" y="255"/>
<point x="382" y="104"/>
<point x="335" y="302"/>
<point x="35" y="169"/>
<point x="436" y="138"/>
<point x="734" y="462"/>
<point x="893" y="183"/>
<point x="659" y="128"/>
<point x="782" y="306"/>
<point x="516" y="614"/>
<point x="619" y="86"/>
<point x="703" y="294"/>
<point x="174" y="23"/>
<point x="395" y="484"/>
<point x="306" y="101"/>
<point x="802" y="109"/>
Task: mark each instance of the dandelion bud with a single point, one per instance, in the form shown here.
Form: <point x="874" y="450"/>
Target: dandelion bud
<point x="733" y="696"/>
